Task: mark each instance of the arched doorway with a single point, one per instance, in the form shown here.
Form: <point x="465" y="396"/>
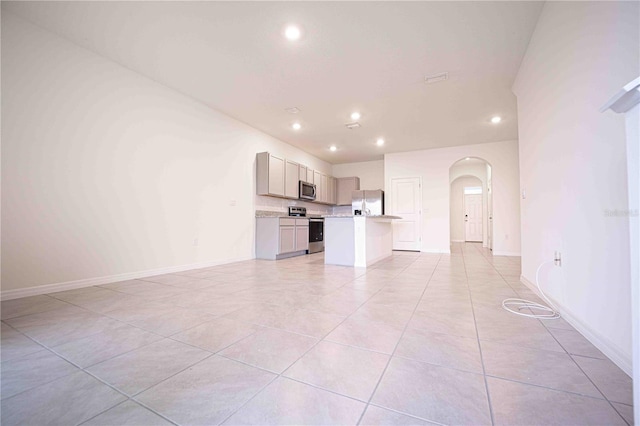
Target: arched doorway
<point x="470" y="201"/>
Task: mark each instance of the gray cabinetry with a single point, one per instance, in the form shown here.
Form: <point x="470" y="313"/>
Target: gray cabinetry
<point x="345" y="186"/>
<point x="281" y="237"/>
<point x="291" y="179"/>
<point x="270" y="171"/>
<point x="280" y="177"/>
<point x="332" y="192"/>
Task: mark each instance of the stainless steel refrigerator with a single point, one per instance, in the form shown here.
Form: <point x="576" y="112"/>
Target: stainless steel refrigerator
<point x="368" y="202"/>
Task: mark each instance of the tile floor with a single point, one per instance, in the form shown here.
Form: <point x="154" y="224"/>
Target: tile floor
<point x="415" y="339"/>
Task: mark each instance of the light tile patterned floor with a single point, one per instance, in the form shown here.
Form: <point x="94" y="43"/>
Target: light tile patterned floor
<point x="415" y="339"/>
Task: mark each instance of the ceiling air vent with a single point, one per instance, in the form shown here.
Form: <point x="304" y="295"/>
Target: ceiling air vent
<point x="436" y="77"/>
<point x="354" y="125"/>
<point x="293" y="110"/>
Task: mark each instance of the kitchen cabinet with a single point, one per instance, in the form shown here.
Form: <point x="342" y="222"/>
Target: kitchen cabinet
<point x="270" y="175"/>
<point x="331" y="190"/>
<point x="325" y="189"/>
<point x="280" y="177"/>
<point x="317" y="180"/>
<point x="302" y="234"/>
<point x="345" y="186"/>
<point x="287" y="239"/>
<point x="291" y="179"/>
<point x="281" y="237"/>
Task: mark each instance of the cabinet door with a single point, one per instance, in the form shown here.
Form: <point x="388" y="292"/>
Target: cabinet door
<point x="345" y="187"/>
<point x="302" y="238"/>
<point x="303" y="173"/>
<point x="310" y="174"/>
<point x="317" y="179"/>
<point x="287" y="239"/>
<point x="276" y="176"/>
<point x="324" y="197"/>
<point x="331" y="190"/>
<point x="291" y="178"/>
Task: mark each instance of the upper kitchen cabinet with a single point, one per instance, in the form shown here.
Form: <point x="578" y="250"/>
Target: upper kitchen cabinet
<point x="270" y="175"/>
<point x="280" y="177"/>
<point x="332" y="192"/>
<point x="291" y="179"/>
<point x="277" y="176"/>
<point x="324" y="189"/>
<point x="345" y="186"/>
<point x="302" y="173"/>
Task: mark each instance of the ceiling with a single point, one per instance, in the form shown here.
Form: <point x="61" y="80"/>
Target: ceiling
<point x="366" y="56"/>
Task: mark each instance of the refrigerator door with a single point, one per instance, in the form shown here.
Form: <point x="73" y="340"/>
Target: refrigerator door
<point x="374" y="202"/>
<point x="357" y="203"/>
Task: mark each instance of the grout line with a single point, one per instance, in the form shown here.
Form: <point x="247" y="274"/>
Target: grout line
<point x="604" y="397"/>
<point x="475" y="323"/>
<point x="372" y="404"/>
<point x="321" y="339"/>
<point x="123" y="402"/>
<point x="375" y="389"/>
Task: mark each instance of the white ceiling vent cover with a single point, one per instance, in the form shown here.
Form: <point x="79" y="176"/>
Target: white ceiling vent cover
<point x="436" y="77"/>
<point x="293" y="110"/>
<point x="352" y="125"/>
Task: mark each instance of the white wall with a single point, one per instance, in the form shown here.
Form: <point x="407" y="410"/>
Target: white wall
<point x="371" y="173"/>
<point x="456" y="209"/>
<point x="573" y="166"/>
<point x="433" y="166"/>
<point x="105" y="172"/>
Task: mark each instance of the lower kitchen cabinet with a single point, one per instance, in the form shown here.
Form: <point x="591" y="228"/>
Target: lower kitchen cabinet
<point x="281" y="237"/>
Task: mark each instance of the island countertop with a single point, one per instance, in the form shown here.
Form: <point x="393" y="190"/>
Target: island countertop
<point x="346" y="216"/>
<point x="358" y="241"/>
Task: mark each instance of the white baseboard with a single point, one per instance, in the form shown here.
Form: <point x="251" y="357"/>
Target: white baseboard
<point x="506" y="253"/>
<point x="598" y="340"/>
<point x="88" y="282"/>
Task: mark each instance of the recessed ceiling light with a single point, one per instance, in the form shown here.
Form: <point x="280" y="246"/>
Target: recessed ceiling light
<point x="468" y="158"/>
<point x="355" y="115"/>
<point x="380" y="142"/>
<point x="296" y="126"/>
<point x="292" y="32"/>
<point x="332" y="148"/>
<point x="496" y="119"/>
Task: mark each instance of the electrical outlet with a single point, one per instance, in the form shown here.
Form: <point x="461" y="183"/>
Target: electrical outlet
<point x="557" y="258"/>
<point x="232" y="202"/>
<point x="195" y="242"/>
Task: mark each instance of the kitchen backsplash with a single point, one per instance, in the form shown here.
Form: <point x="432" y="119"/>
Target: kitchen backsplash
<point x="341" y="210"/>
<point x="281" y="205"/>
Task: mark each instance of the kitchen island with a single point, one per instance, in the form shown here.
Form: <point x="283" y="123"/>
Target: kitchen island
<point x="357" y="240"/>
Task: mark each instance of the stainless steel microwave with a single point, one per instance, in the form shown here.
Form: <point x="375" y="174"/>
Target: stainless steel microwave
<point x="307" y="191"/>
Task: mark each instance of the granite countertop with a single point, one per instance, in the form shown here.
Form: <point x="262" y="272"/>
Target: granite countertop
<point x="268" y="213"/>
<point x="383" y="216"/>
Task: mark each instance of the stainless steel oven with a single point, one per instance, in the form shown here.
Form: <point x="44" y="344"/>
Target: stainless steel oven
<point x="316" y="234"/>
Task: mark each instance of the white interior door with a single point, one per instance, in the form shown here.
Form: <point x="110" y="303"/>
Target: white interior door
<point x="473" y="217"/>
<point x="406" y="202"/>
